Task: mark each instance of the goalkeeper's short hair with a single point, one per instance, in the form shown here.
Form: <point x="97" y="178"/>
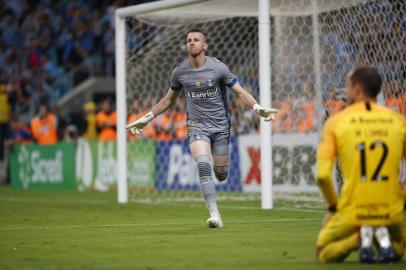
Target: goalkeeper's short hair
<point x="197" y="30"/>
<point x="368" y="78"/>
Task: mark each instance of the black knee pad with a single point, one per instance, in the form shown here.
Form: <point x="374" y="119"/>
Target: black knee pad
<point x="204" y="168"/>
<point x="221" y="172"/>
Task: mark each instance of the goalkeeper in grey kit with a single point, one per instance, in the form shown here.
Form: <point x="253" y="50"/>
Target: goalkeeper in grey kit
<point x="203" y="80"/>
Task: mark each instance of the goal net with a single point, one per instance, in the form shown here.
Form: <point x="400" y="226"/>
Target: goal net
<point x="314" y="44"/>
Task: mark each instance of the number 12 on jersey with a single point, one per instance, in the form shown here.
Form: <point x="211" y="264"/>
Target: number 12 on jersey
<point x="363" y="151"/>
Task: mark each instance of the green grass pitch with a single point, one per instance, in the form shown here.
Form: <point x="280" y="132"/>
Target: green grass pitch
<point x="71" y="230"/>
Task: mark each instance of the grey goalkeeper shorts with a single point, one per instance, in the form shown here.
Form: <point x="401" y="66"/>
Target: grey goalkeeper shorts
<point x="219" y="140"/>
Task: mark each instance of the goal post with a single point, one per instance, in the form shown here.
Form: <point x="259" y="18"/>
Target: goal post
<point x="264" y="41"/>
<point x="122" y="184"/>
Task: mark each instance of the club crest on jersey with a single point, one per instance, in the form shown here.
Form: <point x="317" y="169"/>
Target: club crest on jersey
<point x="210" y="82"/>
<point x="198" y="84"/>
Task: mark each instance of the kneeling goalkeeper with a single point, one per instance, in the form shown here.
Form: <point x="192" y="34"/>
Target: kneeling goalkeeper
<point x="203" y="81"/>
<point x="369" y="141"/>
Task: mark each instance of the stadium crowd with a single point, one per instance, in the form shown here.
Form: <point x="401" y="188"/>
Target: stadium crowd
<point x="43" y="41"/>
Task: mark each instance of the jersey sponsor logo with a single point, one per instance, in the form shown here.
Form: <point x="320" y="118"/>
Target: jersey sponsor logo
<point x="377" y="120"/>
<point x="208" y="93"/>
<point x="377" y="216"/>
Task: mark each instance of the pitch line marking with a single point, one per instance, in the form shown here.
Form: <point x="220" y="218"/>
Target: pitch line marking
<point x="53" y="200"/>
<point x="101" y="201"/>
<point x="148" y="225"/>
<point x="90" y="201"/>
<point x="195" y="205"/>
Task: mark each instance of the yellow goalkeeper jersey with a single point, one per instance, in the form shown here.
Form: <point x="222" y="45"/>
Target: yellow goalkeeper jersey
<point x="369" y="141"/>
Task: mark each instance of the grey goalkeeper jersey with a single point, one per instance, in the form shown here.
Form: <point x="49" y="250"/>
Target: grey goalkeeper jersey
<point x="205" y="93"/>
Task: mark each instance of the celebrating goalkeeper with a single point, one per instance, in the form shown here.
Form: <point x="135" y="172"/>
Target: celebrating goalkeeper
<point x="369" y="141"/>
<point x="203" y="80"/>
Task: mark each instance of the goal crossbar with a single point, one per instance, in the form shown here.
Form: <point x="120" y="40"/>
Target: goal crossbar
<point x="230" y="8"/>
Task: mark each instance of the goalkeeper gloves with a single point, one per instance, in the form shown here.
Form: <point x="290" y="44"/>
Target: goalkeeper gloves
<point x="137" y="126"/>
<point x="267" y="113"/>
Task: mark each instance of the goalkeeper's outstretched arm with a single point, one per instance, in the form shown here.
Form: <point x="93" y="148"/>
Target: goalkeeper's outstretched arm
<point x="165" y="102"/>
<point x="137" y="126"/>
<point x="267" y="113"/>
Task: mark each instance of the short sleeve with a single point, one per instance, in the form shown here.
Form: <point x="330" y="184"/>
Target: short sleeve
<point x="175" y="83"/>
<point x="228" y="78"/>
<point x="327" y="148"/>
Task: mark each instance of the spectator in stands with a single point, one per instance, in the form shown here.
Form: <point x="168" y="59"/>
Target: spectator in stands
<point x="36" y="87"/>
<point x="332" y="103"/>
<point x="77" y="45"/>
<point x="307" y="111"/>
<point x="44" y="126"/>
<point x="61" y="122"/>
<point x="75" y="122"/>
<point x="34" y="53"/>
<point x="395" y="98"/>
<point x="4" y="112"/>
<point x="282" y="122"/>
<point x="51" y="70"/>
<point x="44" y="30"/>
<point x="90" y="117"/>
<point x="19" y="133"/>
<point x="18" y="96"/>
<point x="180" y="116"/>
<point x="108" y="49"/>
<point x="289" y="116"/>
<point x="296" y="123"/>
<point x="106" y="121"/>
<point x="71" y="134"/>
